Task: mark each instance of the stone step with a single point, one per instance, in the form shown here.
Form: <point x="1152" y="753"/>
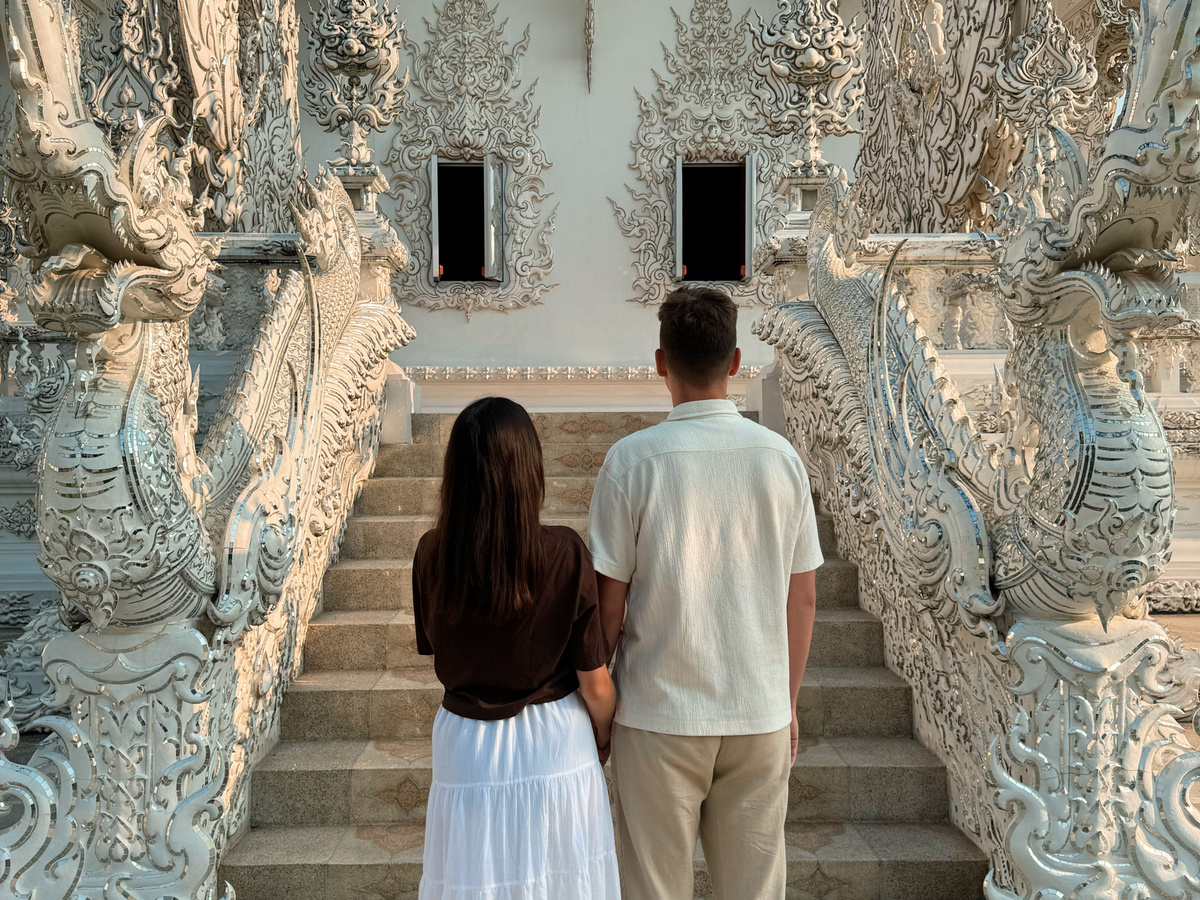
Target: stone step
<point x="386" y="639"/>
<point x="383" y="862"/>
<point x="400" y="704"/>
<point x="565" y="496"/>
<point x="852" y="779"/>
<point x="563" y="427"/>
<point x="362" y="584"/>
<point x="367" y="639"/>
<point x="396" y="537"/>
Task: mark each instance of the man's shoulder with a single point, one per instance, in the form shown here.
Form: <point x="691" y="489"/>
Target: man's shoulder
<point x="767" y="439"/>
<point x="668" y="437"/>
<point x="635" y="447"/>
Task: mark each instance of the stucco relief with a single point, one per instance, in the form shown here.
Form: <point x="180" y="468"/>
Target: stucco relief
<point x="700" y="112"/>
<point x="465" y="101"/>
<point x="930" y="133"/>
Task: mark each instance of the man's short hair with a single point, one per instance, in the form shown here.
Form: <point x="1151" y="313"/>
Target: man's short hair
<point x="697" y="333"/>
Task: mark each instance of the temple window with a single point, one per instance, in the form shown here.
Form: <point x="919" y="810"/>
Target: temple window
<point x="467" y="219"/>
<point x="714" y="220"/>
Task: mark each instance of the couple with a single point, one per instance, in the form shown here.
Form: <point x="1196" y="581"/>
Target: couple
<point x="700" y="577"/>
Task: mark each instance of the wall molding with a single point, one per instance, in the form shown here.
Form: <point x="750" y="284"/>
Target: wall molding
<point x="546" y="373"/>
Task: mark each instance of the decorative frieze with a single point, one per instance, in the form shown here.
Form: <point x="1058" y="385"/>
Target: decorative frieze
<point x="546" y="373"/>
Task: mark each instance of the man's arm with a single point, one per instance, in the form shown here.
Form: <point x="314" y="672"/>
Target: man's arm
<point x="612" y="610"/>
<point x="801" y="611"/>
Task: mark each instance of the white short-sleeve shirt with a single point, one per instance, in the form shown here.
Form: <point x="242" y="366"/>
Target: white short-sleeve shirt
<point x="706" y="517"/>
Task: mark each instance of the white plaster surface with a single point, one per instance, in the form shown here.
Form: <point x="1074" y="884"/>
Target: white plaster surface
<point x="587" y="319"/>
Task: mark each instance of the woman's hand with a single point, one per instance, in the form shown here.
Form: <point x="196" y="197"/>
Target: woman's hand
<point x="600" y="695"/>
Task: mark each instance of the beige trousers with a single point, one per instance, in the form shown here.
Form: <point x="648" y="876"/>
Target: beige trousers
<point x="731" y="791"/>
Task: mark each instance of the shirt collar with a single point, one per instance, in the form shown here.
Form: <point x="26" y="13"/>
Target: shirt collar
<point x="698" y="409"/>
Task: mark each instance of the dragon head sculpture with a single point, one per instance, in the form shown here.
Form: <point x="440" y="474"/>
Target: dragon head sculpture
<point x="1111" y="237"/>
<point x="109" y="236"/>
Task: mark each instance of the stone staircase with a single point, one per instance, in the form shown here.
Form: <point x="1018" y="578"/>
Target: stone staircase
<point x="338" y="807"/>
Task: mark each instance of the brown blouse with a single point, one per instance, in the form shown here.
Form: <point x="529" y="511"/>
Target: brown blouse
<point x="493" y="670"/>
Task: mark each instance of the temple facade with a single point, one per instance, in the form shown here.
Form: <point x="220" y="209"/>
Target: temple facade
<point x="256" y="255"/>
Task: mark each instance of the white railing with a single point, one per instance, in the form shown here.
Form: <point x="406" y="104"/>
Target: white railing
<point x="188" y="576"/>
<point x="1011" y="574"/>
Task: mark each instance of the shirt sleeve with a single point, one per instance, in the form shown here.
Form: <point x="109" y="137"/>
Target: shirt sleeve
<point x="424" y="647"/>
<point x="807" y="556"/>
<point x="587" y="650"/>
<point x="612" y="531"/>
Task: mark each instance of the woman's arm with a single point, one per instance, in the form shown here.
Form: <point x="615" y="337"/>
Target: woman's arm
<point x="600" y="695"/>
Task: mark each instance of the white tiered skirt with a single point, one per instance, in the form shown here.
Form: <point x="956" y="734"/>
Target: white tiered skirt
<point x="518" y="809"/>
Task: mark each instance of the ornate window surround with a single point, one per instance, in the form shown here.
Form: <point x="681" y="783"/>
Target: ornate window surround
<point x="462" y="104"/>
<point x="709" y="108"/>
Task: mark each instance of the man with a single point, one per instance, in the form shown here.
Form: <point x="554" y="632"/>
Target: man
<point x="705" y="543"/>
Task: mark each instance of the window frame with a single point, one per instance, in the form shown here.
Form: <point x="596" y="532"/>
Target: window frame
<point x="750" y="164"/>
<point x="494" y="268"/>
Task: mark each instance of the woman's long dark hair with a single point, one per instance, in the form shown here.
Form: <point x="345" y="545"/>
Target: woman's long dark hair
<point x="488" y="530"/>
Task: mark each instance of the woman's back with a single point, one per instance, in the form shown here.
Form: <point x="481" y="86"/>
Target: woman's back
<point x="518" y="807"/>
<point x="492" y="667"/>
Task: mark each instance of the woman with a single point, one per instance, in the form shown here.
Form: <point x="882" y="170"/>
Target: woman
<point x="518" y="809"/>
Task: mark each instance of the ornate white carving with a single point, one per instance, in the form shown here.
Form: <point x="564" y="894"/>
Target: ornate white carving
<point x="1057" y="531"/>
<point x="930" y="133"/>
<point x="350" y="77"/>
<point x="545" y="373"/>
<point x="462" y="104"/>
<point x="34" y="374"/>
<point x="589" y="37"/>
<point x="1183" y="674"/>
<point x="701" y="112"/>
<point x="21" y="661"/>
<point x="271" y="163"/>
<point x="20" y="519"/>
<point x="1047" y="76"/>
<point x="209" y="34"/>
<point x="1174" y="595"/>
<point x="808" y="66"/>
<point x="144" y="536"/>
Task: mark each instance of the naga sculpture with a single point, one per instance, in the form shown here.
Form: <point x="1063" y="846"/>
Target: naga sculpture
<point x="170" y="560"/>
<point x="1031" y="554"/>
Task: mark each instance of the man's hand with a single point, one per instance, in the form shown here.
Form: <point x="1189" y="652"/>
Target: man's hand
<point x="605" y="751"/>
<point x="795" y="736"/>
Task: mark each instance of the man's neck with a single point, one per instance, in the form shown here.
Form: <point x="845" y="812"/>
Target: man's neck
<point x="690" y="393"/>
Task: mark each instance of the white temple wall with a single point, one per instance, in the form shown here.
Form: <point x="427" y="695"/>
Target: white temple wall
<point x="589" y="317"/>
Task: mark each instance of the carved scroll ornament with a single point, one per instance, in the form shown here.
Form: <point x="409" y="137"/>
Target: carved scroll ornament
<point x="143" y="535"/>
<point x="351" y="76"/>
<point x="463" y="104"/>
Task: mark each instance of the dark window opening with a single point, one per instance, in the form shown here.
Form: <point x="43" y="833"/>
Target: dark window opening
<point x="713" y="222"/>
<point x="461" y="221"/>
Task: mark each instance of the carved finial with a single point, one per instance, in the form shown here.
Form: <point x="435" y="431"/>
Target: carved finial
<point x="1048" y="76"/>
<point x="351" y="80"/>
<point x="808" y="65"/>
